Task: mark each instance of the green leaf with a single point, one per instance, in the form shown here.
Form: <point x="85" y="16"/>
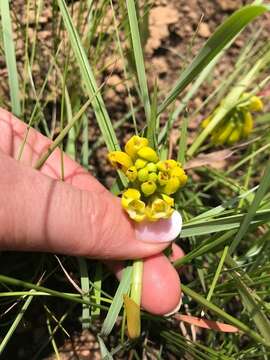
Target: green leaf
<point x="117" y="303"/>
<point x="9" y="49"/>
<point x="222" y="36"/>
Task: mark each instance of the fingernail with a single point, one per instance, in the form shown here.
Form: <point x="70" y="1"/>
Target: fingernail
<point x="176" y="309"/>
<point x="164" y="230"/>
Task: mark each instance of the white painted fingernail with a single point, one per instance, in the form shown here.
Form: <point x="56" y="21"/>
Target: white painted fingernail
<point x="176" y="309"/>
<point x="164" y="230"/>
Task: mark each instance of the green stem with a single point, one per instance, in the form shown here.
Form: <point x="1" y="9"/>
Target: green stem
<point x="136" y="287"/>
<point x="27" y="285"/>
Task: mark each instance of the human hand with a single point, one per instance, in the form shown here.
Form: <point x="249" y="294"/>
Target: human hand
<point x="77" y="217"/>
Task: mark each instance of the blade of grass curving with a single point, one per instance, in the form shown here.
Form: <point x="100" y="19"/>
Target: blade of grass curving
<point x="95" y="312"/>
<point x="88" y="78"/>
<point x="15" y="323"/>
<point x="205" y="248"/>
<point x="222" y="36"/>
<point x="223" y="223"/>
<point x="105" y="354"/>
<point x="10" y="57"/>
<point x="250" y="303"/>
<point x="183" y="140"/>
<point x="69" y="297"/>
<point x="117" y="303"/>
<point x="239" y="324"/>
<point x="84" y="278"/>
<point x="139" y="61"/>
<point x="262" y="190"/>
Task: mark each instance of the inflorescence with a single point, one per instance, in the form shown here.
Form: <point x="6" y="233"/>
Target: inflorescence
<point x="152" y="180"/>
<point x="238" y="123"/>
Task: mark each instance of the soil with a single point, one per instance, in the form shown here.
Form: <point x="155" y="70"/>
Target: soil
<point x="177" y="30"/>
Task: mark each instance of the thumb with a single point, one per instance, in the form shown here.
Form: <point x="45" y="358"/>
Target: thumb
<point x="44" y="214"/>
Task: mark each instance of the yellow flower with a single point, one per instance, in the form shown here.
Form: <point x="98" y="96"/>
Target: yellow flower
<point x="205" y="122"/>
<point x="148" y="187"/>
<point x="163" y="178"/>
<point x="172" y="186"/>
<point x="169" y="200"/>
<point x="255" y="104"/>
<point x="166" y="165"/>
<point x="148" y="154"/>
<point x="136" y="210"/>
<point x="131" y="173"/>
<point x="134" y="144"/>
<point x="120" y="160"/>
<point x="248" y="124"/>
<point x="128" y="196"/>
<point x="158" y="209"/>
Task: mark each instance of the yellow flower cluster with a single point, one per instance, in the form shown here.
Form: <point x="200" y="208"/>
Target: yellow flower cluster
<point x="152" y="181"/>
<point x="236" y="125"/>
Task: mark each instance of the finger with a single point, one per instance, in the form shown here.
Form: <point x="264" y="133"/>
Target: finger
<point x="108" y="233"/>
<point x="161" y="289"/>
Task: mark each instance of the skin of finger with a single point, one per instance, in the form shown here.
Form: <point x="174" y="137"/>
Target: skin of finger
<point x="114" y="232"/>
<point x="161" y="290"/>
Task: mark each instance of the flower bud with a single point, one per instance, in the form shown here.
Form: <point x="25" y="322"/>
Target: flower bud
<point x="143" y="175"/>
<point x="151" y="167"/>
<point x="153" y="177"/>
<point x="148" y="187"/>
<point x="148" y="154"/>
<point x="140" y="163"/>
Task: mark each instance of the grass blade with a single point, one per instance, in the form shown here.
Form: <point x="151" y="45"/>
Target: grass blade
<point x="117" y="302"/>
<point x="264" y="186"/>
<point x="10" y="57"/>
<point x="87" y="74"/>
<point x="138" y="56"/>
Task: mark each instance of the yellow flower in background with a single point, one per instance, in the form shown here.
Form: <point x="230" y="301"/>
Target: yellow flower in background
<point x="255" y="104"/>
<point x="153" y="180"/>
<point x="120" y="160"/>
<point x="248" y="124"/>
<point x="238" y="124"/>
